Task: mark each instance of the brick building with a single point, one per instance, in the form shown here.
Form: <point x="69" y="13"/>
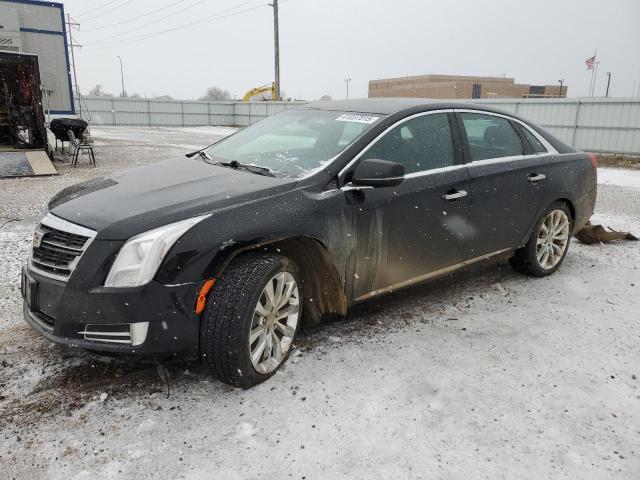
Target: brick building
<point x="457" y="86"/>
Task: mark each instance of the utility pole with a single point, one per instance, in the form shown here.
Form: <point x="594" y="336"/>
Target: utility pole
<point x="561" y="81"/>
<point x="276" y="47"/>
<point x="346" y="82"/>
<point x="124" y="94"/>
<point x="73" y="25"/>
<point x="608" y="84"/>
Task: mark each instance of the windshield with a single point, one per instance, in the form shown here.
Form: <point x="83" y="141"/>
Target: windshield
<point x="295" y="142"/>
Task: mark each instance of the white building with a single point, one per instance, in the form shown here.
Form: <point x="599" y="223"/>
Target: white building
<point x="39" y="28"/>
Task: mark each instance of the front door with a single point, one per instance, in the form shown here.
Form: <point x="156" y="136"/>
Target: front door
<point x="506" y="186"/>
<point x="418" y="227"/>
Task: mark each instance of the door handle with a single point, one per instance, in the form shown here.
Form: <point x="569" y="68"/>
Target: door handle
<point x="454" y="195"/>
<point x="536" y="177"/>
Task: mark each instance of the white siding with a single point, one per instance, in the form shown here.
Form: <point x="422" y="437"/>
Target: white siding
<point x="49" y="47"/>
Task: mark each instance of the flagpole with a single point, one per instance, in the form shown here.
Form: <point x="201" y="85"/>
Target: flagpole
<point x="592" y="84"/>
<point x="595" y="78"/>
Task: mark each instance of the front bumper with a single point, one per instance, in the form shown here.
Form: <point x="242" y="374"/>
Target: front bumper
<point x="64" y="314"/>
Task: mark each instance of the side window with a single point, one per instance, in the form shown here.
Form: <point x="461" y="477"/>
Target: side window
<point x="534" y="143"/>
<point x="490" y="137"/>
<point x="422" y="143"/>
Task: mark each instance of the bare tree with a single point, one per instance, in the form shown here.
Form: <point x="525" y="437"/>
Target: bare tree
<point x="98" y="91"/>
<point x="215" y="94"/>
<point x="134" y="95"/>
<point x="163" y="97"/>
<point x="326" y="97"/>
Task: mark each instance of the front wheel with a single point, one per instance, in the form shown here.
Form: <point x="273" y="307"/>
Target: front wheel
<point x="251" y="319"/>
<point x="548" y="245"/>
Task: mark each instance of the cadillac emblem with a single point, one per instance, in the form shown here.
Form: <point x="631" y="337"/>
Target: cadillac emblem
<point x="37" y="238"/>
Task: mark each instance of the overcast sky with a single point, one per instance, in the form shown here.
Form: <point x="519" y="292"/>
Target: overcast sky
<point x="324" y="41"/>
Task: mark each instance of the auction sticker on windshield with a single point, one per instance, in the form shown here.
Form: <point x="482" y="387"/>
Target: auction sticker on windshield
<point x="354" y="117"/>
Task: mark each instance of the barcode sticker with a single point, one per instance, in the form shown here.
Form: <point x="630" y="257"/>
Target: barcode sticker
<point x="354" y="117"/>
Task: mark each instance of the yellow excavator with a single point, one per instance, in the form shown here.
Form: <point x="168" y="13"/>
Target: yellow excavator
<point x="268" y="88"/>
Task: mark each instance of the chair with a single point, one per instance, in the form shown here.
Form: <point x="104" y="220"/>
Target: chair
<point x="79" y="147"/>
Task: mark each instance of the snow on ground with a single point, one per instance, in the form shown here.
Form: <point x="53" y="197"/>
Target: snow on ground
<point x="619" y="176"/>
<point x="485" y="374"/>
<point x="189" y="138"/>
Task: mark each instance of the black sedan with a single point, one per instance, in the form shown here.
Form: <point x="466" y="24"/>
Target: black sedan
<point x="222" y="254"/>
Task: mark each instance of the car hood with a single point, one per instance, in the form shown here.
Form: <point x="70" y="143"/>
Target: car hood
<point x="148" y="197"/>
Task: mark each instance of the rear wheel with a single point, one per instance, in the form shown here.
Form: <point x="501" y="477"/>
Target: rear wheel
<point x="251" y="319"/>
<point x="548" y="245"/>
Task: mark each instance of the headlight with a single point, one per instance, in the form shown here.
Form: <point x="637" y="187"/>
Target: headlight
<point x="139" y="259"/>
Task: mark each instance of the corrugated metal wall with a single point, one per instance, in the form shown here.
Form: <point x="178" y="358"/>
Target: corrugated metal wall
<point x="593" y="124"/>
<point x="607" y="125"/>
<point x="174" y="113"/>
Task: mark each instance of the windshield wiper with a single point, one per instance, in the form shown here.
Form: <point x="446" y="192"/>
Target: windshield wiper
<point x="248" y="167"/>
<point x="232" y="164"/>
<point x="197" y="152"/>
<point x="205" y="156"/>
<point x="203" y="153"/>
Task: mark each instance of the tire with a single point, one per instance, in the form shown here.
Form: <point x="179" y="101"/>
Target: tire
<point x="527" y="259"/>
<point x="231" y="315"/>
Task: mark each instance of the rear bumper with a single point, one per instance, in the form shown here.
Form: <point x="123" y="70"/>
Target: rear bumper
<point x="62" y="315"/>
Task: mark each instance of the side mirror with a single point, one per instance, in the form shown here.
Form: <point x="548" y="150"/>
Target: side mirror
<point x="377" y="173"/>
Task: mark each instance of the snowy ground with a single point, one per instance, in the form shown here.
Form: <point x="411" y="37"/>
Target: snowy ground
<point x="619" y="177"/>
<point x="486" y="374"/>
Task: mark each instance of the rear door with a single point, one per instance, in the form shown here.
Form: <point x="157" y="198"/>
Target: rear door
<point x="408" y="231"/>
<point x="506" y="182"/>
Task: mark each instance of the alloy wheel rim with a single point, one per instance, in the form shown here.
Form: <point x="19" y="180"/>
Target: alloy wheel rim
<point x="553" y="239"/>
<point x="274" y="322"/>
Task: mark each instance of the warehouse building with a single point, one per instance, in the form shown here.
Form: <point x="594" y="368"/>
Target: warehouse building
<point x="457" y="86"/>
<point x="38" y="28"/>
<point x="35" y="84"/>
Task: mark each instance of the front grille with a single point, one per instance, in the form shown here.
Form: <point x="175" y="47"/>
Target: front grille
<point x="58" y="246"/>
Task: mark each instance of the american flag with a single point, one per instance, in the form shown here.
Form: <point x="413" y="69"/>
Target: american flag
<point x="589" y="62"/>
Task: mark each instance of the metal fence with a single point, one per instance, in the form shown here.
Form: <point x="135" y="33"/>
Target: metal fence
<point x="593" y="124"/>
<point x="605" y="125"/>
<point x="174" y="113"/>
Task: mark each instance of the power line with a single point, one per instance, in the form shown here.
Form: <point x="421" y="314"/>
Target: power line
<point x="97" y="8"/>
<point x="106" y="39"/>
<point x="132" y="19"/>
<point x="218" y="16"/>
<point x="154" y="34"/>
<point x="126" y="2"/>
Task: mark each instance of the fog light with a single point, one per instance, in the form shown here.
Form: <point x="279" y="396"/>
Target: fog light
<point x="133" y="334"/>
<point x="138" y="333"/>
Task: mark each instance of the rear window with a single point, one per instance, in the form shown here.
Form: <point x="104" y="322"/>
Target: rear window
<point x="490" y="136"/>
<point x="535" y="144"/>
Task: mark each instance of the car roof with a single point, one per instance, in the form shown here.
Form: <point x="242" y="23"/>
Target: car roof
<point x="389" y="105"/>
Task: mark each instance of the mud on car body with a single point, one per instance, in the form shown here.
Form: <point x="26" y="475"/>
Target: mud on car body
<point x="221" y="255"/>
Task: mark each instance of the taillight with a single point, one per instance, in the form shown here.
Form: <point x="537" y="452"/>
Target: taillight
<point x="594" y="160"/>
